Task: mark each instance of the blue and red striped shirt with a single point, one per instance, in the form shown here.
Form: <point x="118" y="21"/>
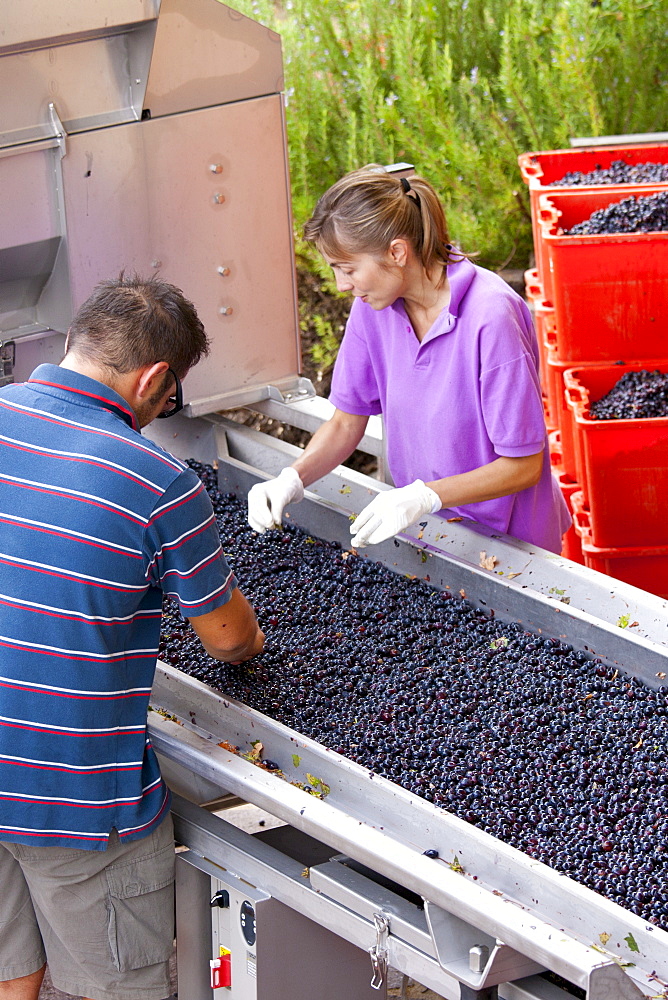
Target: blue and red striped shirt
<point x="97" y="523"/>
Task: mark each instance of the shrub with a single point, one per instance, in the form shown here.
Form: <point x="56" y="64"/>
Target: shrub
<point x="459" y="88"/>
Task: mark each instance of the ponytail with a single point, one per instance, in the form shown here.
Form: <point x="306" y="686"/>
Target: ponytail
<point x="367" y="209"/>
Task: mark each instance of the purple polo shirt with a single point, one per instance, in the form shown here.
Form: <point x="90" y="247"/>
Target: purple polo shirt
<point x="467" y="394"/>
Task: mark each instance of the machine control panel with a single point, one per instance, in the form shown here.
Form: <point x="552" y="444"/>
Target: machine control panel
<point x="234" y="936"/>
<point x="257" y="948"/>
<point x="247" y="920"/>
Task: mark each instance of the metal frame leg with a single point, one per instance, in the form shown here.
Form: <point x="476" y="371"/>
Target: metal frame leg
<point x="490" y="993"/>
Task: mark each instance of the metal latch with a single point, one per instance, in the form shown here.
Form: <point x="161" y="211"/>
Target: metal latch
<point x="378" y="951"/>
<point x="7" y="359"/>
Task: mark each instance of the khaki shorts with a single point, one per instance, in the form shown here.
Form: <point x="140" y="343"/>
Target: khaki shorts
<point x="103" y="920"/>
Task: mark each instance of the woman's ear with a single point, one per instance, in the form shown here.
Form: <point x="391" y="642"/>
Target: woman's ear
<point x="399" y="252"/>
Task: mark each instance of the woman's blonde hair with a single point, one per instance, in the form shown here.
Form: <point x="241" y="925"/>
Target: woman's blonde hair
<point x="367" y="209"/>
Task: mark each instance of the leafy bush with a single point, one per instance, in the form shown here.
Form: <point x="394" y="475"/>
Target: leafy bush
<point x="459" y="88"/>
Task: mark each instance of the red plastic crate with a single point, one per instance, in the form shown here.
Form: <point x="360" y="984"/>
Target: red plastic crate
<point x="549" y="426"/>
<point x="543" y="317"/>
<point x="559" y="412"/>
<point x="575" y="204"/>
<point x="571" y="547"/>
<point x="532" y="287"/>
<point x="541" y="170"/>
<point x="558" y="408"/>
<point x="614" y="287"/>
<point x="622" y="465"/>
<point x="642" y="566"/>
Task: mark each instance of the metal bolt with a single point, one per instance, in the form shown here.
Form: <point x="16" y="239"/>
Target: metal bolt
<point x="216" y="168"/>
<point x="218" y="198"/>
<point x="226" y="310"/>
<point x="223" y="269"/>
<point x="478" y="958"/>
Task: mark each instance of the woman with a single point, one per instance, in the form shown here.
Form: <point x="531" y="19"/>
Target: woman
<point x="446" y="351"/>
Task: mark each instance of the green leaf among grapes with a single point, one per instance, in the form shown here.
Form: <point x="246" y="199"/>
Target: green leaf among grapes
<point x="631" y="942"/>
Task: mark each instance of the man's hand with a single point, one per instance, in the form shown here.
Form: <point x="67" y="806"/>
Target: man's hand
<point x="392" y="511"/>
<point x="266" y="501"/>
<point x="231" y="632"/>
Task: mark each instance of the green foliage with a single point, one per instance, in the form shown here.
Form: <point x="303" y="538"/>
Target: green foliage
<point x="460" y="88"/>
<point x="322" y="309"/>
<point x="324" y="350"/>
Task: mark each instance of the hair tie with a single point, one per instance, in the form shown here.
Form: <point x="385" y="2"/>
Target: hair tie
<point x="406" y="188"/>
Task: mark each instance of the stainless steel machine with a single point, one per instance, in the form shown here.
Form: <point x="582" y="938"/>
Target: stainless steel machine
<point x="149" y="135"/>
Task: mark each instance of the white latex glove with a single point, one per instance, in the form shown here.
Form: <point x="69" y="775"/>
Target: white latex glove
<point x="266" y="501"/>
<point x="392" y="511"/>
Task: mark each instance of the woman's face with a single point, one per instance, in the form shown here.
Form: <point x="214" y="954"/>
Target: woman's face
<point x="377" y="281"/>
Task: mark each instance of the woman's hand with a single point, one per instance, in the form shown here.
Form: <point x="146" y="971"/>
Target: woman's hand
<point x="332" y="443"/>
<point x="267" y="501"/>
<point x="391" y="512"/>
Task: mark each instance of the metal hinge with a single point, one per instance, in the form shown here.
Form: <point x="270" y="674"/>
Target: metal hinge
<point x="7" y="359"/>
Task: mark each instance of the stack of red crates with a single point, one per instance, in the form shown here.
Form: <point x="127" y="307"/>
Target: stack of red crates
<point x="600" y="306"/>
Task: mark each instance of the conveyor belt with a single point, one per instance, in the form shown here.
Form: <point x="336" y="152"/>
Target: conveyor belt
<point x="527" y="916"/>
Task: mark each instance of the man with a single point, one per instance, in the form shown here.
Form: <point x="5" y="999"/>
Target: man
<point x="97" y="523"/>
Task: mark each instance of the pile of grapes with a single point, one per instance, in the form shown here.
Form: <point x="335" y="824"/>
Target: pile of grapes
<point x="520" y="734"/>
<point x="617" y="173"/>
<point x="630" y="215"/>
<point x="636" y="395"/>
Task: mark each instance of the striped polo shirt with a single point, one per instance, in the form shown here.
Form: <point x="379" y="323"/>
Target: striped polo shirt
<point x="96" y="524"/>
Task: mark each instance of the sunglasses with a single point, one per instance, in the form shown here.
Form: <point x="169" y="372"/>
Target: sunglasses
<point x="175" y="402"/>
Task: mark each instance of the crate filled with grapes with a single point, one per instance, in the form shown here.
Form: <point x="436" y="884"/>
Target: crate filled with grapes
<point x="606" y="168"/>
<point x="620" y="423"/>
<point x="609" y="273"/>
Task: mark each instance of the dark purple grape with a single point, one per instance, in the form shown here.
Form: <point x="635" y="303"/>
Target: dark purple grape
<point x="537" y="743"/>
<point x="630" y="215"/>
<point x="636" y="395"/>
<point x="618" y="172"/>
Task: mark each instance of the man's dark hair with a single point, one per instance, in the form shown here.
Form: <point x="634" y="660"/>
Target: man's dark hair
<point x="130" y="322"/>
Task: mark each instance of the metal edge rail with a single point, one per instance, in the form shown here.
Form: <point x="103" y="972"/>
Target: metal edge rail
<point x="504" y="894"/>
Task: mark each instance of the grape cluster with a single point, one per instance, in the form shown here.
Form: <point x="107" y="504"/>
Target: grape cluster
<point x="533" y="741"/>
<point x="630" y="215"/>
<point x="636" y="395"/>
<point x="618" y="172"/>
